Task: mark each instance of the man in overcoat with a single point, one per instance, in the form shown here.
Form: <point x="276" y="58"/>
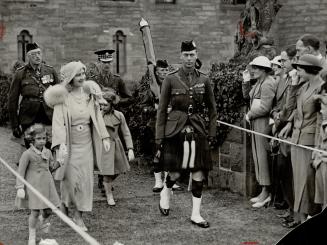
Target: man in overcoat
<point x="181" y="135"/>
<point x="30" y="82"/>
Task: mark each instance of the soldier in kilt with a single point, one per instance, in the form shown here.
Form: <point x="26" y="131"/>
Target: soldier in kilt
<point x="181" y="135"/>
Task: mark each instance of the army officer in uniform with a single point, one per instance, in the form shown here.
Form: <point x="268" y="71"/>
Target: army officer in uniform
<point x="30" y="81"/>
<point x="181" y="134"/>
<point x="100" y="73"/>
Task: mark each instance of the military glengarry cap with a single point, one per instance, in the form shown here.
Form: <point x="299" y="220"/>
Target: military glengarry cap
<point x="31" y="46"/>
<point x="105" y="55"/>
<point x="188" y="46"/>
<point x="162" y="63"/>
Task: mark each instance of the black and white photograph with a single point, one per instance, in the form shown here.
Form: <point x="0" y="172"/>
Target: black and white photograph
<point x="127" y="122"/>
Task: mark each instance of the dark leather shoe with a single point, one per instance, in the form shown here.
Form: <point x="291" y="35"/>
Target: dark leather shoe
<point x="289" y="219"/>
<point x="157" y="189"/>
<point x="281" y="205"/>
<point x="179" y="188"/>
<point x="292" y="224"/>
<point x="203" y="224"/>
<point x="164" y="212"/>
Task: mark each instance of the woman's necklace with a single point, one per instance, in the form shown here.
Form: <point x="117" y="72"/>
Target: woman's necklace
<point x="78" y="96"/>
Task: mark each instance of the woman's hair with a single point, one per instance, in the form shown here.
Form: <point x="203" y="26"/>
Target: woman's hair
<point x="32" y="131"/>
<point x="313" y="70"/>
<point x="291" y="51"/>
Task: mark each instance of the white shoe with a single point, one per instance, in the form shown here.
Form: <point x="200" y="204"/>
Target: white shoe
<point x="80" y="223"/>
<point x="44" y="224"/>
<point x="263" y="203"/>
<point x="109" y="194"/>
<point x="254" y="199"/>
<point x="110" y="200"/>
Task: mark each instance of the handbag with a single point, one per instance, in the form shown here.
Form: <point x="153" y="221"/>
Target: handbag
<point x="62" y="158"/>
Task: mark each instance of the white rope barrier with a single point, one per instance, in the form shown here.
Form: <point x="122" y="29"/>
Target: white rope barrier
<point x="57" y="211"/>
<point x="271" y="137"/>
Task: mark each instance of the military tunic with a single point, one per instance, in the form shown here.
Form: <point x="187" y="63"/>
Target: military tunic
<point x="188" y="95"/>
<point x="31" y="84"/>
<point x="109" y="80"/>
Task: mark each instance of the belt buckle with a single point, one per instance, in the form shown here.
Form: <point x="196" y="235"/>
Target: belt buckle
<point x="80" y="128"/>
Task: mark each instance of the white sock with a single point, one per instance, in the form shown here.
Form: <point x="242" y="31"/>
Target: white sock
<point x="196" y="217"/>
<point x="158" y="183"/>
<point x="165" y="197"/>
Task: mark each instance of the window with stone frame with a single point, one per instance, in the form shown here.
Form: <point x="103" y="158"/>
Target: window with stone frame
<point x="166" y="1"/>
<point x="23" y="39"/>
<point x="119" y="41"/>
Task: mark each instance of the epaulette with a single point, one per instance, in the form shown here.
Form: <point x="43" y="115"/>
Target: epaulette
<point x="48" y="65"/>
<point x="172" y="72"/>
<point x="201" y="72"/>
<point x="20" y="68"/>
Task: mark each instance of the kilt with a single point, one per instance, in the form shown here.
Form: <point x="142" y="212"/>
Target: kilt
<point x="172" y="153"/>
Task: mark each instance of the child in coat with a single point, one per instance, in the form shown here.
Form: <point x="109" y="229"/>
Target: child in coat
<point x="114" y="162"/>
<point x="34" y="167"/>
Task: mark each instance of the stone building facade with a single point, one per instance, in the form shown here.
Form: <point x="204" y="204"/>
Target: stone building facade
<point x="73" y="30"/>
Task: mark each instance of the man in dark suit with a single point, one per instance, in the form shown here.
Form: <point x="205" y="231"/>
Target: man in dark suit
<point x="181" y="134"/>
<point x="30" y="82"/>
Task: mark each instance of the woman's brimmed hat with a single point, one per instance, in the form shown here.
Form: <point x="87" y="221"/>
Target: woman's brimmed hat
<point x="110" y="96"/>
<point x="277" y="61"/>
<point x="69" y="71"/>
<point x="261" y="61"/>
<point x="308" y="60"/>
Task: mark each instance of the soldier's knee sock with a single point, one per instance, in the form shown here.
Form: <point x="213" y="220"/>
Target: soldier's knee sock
<point x="169" y="182"/>
<point x="197" y="187"/>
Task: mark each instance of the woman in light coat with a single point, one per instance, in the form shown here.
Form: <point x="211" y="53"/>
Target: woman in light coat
<point x="114" y="162"/>
<point x="261" y="96"/>
<point x="76" y="121"/>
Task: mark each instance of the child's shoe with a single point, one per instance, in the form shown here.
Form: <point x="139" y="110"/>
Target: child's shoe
<point x="44" y="224"/>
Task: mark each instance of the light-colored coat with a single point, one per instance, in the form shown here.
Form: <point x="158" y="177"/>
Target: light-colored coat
<point x="61" y="124"/>
<point x="115" y="161"/>
<point x="259" y="116"/>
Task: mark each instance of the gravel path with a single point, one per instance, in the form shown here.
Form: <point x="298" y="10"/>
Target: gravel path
<point x="136" y="219"/>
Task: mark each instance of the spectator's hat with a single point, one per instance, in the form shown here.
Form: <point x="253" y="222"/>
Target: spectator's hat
<point x="188" y="46"/>
<point x="162" y="63"/>
<point x="277" y="61"/>
<point x="105" y="55"/>
<point x="308" y="60"/>
<point x="261" y="61"/>
<point x="110" y="96"/>
<point x="31" y="47"/>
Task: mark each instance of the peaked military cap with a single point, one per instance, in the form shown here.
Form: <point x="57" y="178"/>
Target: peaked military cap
<point x="162" y="63"/>
<point x="31" y="46"/>
<point x="105" y="55"/>
<point x="188" y="46"/>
